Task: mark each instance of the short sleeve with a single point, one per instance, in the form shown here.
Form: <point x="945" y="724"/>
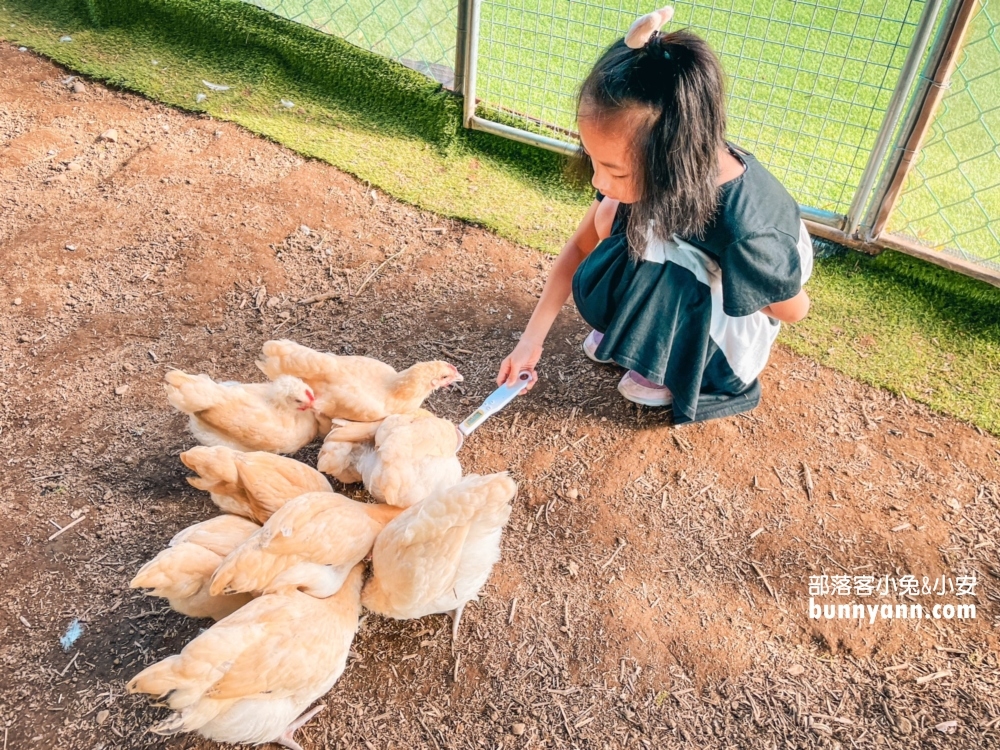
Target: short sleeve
<point x="758" y="270"/>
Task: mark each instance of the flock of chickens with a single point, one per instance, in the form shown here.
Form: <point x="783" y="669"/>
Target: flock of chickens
<point x="283" y="570"/>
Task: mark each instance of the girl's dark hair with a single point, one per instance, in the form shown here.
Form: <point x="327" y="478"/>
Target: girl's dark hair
<point x="678" y="80"/>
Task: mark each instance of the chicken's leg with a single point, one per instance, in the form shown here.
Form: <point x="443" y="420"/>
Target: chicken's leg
<point x="456" y="616"/>
<point x="285" y="740"/>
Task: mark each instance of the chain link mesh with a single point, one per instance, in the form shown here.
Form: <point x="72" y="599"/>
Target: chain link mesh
<point x="951" y="198"/>
<point x="418" y="33"/>
<point x="809" y="82"/>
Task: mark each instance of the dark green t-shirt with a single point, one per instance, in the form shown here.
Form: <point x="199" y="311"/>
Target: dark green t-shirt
<point x="753" y="237"/>
<point x="686" y="312"/>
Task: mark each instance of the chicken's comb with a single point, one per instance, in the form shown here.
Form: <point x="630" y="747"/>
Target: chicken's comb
<point x="642" y="29"/>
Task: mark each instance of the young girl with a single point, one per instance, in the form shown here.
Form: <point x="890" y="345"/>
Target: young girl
<point x="691" y="253"/>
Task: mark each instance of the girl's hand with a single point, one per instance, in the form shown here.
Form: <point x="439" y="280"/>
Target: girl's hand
<point x="524" y="357"/>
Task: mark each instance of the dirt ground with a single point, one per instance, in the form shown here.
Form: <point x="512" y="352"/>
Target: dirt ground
<point x="653" y="588"/>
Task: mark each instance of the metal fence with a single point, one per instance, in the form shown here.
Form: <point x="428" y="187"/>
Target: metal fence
<point x="951" y="200"/>
<point x="808" y="84"/>
<point x="421" y="34"/>
<point x="836" y="97"/>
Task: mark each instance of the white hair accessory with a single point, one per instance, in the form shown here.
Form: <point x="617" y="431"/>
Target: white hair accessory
<point x="639" y="32"/>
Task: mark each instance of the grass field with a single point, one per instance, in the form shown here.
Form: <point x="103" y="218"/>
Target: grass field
<point x="808" y="83"/>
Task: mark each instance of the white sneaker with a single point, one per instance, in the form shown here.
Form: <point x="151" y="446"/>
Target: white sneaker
<point x="648" y="395"/>
<point x="590" y="345"/>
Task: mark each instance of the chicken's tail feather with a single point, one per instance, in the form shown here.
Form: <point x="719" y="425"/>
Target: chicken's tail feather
<point x="211" y="464"/>
<point x="353" y="432"/>
<point x="496" y="507"/>
<point x="190" y="393"/>
<point x="243" y="570"/>
<point x="284" y="357"/>
<point x="178" y="571"/>
<point x="339" y="460"/>
<point x="158" y="679"/>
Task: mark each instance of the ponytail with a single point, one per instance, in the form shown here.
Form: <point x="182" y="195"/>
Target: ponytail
<point x="677" y="80"/>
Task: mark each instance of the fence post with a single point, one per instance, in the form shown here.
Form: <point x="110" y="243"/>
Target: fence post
<point x="907" y="75"/>
<point x="461" y="35"/>
<point x="935" y="82"/>
<point x="471" y="58"/>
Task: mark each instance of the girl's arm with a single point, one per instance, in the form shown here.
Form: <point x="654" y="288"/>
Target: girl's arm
<point x="791" y="310"/>
<point x="554" y="295"/>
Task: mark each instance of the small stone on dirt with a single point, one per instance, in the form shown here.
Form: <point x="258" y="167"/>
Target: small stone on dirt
<point x="79" y="88"/>
<point x="17" y="301"/>
<point x="273" y="302"/>
<point x="572" y="493"/>
<point x="121" y="390"/>
<point x="109" y="135"/>
<point x="103" y="716"/>
<point x="903" y="725"/>
<point x="24" y="338"/>
<point x="517" y="729"/>
<point x="305" y="230"/>
<point x="796" y="669"/>
<point x="71" y="248"/>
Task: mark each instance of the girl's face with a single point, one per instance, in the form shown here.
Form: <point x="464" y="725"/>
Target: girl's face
<point x="608" y="142"/>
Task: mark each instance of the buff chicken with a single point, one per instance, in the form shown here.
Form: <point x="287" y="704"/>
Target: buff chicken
<point x="435" y="556"/>
<point x="323" y="532"/>
<point x="250" y="677"/>
<point x="360" y="389"/>
<point x="401" y="460"/>
<point x="276" y="417"/>
<point x="254" y="484"/>
<point x="182" y="572"/>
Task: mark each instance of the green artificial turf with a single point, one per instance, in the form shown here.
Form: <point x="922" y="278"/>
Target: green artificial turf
<point x="890" y="321"/>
